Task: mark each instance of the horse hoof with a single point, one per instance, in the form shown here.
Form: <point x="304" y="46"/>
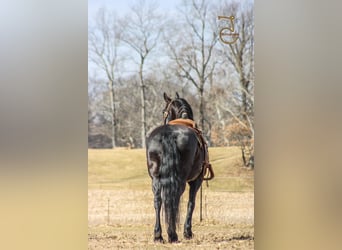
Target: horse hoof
<point x="173" y="239"/>
<point x="188" y="235"/>
<point x="159" y="239"/>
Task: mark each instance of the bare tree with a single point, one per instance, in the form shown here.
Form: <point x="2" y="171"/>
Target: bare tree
<point x="99" y="116"/>
<point x="192" y="49"/>
<point x="103" y="42"/>
<point x="140" y="31"/>
<point x="216" y="78"/>
<point x="240" y="55"/>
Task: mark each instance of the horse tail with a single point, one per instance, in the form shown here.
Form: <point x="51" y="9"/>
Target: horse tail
<point x="171" y="182"/>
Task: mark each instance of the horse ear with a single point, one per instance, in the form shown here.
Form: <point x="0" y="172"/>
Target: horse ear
<point x="166" y="98"/>
<point x="177" y="96"/>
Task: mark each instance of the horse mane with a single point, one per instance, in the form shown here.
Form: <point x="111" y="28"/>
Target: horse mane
<point x="183" y="107"/>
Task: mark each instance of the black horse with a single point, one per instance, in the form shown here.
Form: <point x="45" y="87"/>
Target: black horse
<point x="175" y="156"/>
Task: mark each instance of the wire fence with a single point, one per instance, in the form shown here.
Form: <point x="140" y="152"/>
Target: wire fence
<point x="230" y="203"/>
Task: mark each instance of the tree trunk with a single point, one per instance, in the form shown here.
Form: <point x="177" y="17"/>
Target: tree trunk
<point x="112" y="104"/>
<point x="244" y="107"/>
<point x="201" y="109"/>
<point x="142" y="98"/>
<point x="244" y="86"/>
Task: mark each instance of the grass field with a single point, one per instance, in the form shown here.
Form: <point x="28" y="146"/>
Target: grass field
<point x="120" y="203"/>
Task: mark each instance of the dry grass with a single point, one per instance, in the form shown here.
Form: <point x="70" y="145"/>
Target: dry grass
<point x="120" y="203"/>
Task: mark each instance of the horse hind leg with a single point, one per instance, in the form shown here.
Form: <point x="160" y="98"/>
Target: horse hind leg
<point x="172" y="235"/>
<point x="156" y="188"/>
<point x="194" y="186"/>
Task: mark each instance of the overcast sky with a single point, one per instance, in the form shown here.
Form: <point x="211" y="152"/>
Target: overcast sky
<point x="122" y="6"/>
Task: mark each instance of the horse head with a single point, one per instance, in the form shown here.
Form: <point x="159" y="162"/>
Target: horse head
<point x="177" y="108"/>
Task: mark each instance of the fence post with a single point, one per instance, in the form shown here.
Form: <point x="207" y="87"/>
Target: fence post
<point x="108" y="219"/>
<point x="205" y="206"/>
<point x="201" y="218"/>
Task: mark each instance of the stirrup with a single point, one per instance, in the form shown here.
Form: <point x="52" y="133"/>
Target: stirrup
<point x="208" y="172"/>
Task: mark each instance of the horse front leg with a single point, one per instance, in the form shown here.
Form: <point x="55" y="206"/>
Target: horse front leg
<point x="194" y="186"/>
<point x="157" y="206"/>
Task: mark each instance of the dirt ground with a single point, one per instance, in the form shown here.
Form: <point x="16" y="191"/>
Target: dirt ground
<point x="124" y="219"/>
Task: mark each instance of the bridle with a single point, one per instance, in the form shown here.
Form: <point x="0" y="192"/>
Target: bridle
<point x="167" y="111"/>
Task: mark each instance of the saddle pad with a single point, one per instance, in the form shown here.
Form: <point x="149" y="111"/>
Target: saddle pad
<point x="185" y="122"/>
<point x="191" y="124"/>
